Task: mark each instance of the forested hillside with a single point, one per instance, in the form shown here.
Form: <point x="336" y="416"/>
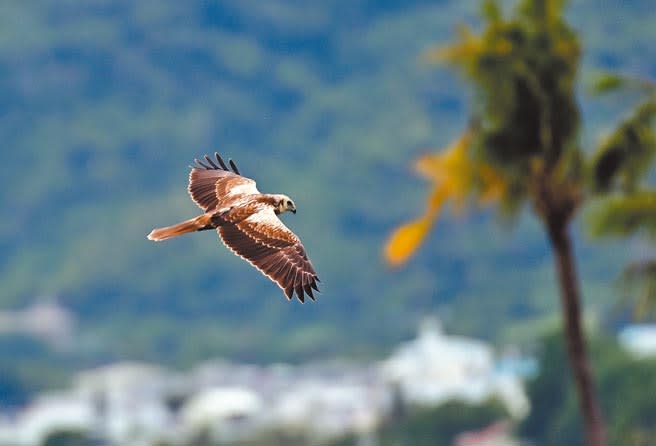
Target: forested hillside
<point x="104" y="104"/>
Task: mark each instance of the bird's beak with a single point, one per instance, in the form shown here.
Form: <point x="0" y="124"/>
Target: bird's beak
<point x="294" y="211"/>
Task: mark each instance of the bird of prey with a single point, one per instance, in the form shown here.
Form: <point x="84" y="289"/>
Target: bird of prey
<point x="248" y="224"/>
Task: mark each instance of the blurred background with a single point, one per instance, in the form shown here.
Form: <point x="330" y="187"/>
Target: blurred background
<point x="108" y="338"/>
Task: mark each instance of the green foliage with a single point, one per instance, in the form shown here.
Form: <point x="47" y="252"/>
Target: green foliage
<point x="436" y="426"/>
<point x="626" y="214"/>
<point x="626" y="387"/>
<point x="626" y="156"/>
<point x="524" y="68"/>
<point x="551" y="395"/>
<point x="639" y="284"/>
<point x="607" y="82"/>
<point x="105" y="103"/>
<point x="491" y="11"/>
<point x="622" y="165"/>
<point x="22" y="370"/>
<point x="67" y="438"/>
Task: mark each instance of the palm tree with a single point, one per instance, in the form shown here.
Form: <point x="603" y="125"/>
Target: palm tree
<point x="626" y="202"/>
<point x="521" y="148"/>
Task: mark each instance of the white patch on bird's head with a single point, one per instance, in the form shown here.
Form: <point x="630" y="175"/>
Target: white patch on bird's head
<point x="282" y="203"/>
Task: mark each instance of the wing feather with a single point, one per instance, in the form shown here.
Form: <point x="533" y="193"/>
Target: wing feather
<point x="267" y="244"/>
<point x="213" y="186"/>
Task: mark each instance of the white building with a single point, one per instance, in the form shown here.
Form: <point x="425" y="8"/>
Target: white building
<point x="47" y="414"/>
<point x="318" y="399"/>
<point x="128" y="400"/>
<point x="435" y="368"/>
<point x="135" y="404"/>
<point x="639" y="339"/>
<point x="225" y="413"/>
<point x="325" y="409"/>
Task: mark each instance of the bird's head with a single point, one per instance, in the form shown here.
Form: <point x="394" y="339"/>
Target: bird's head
<point x="284" y="204"/>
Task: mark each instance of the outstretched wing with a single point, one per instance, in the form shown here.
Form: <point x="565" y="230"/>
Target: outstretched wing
<point x="212" y="185"/>
<point x="267" y="244"/>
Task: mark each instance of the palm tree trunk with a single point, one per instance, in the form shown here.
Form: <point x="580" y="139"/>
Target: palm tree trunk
<point x="595" y="434"/>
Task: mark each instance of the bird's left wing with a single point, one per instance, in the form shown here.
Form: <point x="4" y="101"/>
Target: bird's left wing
<point x="267" y="244"/>
<point x="212" y="184"/>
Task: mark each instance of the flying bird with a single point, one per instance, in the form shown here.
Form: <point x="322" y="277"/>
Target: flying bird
<point x="248" y="224"/>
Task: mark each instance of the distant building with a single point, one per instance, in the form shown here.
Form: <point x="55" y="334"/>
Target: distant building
<point x="226" y="414"/>
<point x="47" y="414"/>
<point x="327" y="409"/>
<point x="639" y="339"/>
<point x="129" y="401"/>
<point x="139" y="404"/>
<point x="435" y="368"/>
<point x="318" y="399"/>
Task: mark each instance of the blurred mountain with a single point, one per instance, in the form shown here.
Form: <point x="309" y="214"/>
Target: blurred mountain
<point x="104" y="104"/>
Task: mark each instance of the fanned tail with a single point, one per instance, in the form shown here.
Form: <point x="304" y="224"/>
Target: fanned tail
<point x="199" y="223"/>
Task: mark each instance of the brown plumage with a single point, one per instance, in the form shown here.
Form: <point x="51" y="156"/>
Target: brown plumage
<point x="248" y="224"/>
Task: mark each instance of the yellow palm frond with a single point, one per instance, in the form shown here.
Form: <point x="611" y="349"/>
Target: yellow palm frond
<point x="455" y="177"/>
<point x="407" y="238"/>
<point x="465" y="48"/>
<point x="450" y="168"/>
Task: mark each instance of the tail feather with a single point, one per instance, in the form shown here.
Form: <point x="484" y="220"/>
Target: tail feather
<point x="192" y="225"/>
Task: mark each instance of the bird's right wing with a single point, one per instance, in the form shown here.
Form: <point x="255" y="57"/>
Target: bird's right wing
<point x="212" y="184"/>
<point x="267" y="244"/>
